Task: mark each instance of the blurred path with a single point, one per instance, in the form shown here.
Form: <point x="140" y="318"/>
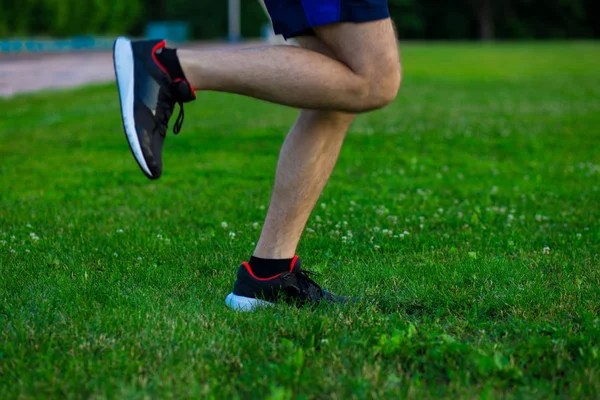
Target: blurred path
<point x="31" y="72"/>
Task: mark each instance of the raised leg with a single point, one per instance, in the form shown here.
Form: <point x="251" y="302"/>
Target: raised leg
<point x="364" y="74"/>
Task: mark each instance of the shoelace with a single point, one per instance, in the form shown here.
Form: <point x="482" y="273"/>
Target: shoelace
<point x="306" y="282"/>
<point x="179" y="120"/>
<point x="169" y="112"/>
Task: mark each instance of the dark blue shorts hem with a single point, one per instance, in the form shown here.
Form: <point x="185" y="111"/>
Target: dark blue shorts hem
<point x="291" y="20"/>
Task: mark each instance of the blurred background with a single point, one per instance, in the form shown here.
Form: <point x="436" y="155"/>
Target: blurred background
<point x="209" y="20"/>
<point x="73" y="38"/>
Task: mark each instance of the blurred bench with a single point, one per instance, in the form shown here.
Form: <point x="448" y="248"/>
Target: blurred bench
<point x="172" y="31"/>
<point x="43" y="45"/>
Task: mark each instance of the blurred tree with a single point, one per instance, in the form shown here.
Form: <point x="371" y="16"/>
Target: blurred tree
<point x="504" y="19"/>
<point x="592" y="18"/>
<point x="534" y="19"/>
<point x="484" y="12"/>
<point x="422" y="19"/>
<point x="208" y="19"/>
<point x="407" y="16"/>
<point x="68" y="17"/>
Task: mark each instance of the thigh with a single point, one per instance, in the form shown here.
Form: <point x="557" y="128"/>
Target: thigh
<point x="344" y="119"/>
<point x="368" y="48"/>
<point x="313" y="43"/>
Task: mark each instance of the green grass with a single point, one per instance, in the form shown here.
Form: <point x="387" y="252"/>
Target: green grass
<point x="489" y="160"/>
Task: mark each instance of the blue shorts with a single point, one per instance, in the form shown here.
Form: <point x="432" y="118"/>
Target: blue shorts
<point x="297" y="17"/>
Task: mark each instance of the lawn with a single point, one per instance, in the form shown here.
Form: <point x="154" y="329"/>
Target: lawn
<point x="467" y="214"/>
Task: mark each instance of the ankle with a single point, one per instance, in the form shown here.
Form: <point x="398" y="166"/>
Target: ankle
<point x="268" y="267"/>
<point x="169" y="60"/>
<point x="189" y="65"/>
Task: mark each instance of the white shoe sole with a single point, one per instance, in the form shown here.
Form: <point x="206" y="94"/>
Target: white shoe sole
<point x="240" y="303"/>
<point x="123" y="57"/>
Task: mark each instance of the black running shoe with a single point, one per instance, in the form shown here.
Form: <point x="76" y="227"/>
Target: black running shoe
<point x="148" y="94"/>
<point x="295" y="286"/>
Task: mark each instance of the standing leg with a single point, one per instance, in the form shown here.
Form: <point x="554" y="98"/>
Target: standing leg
<point x="311" y="149"/>
<point x="306" y="160"/>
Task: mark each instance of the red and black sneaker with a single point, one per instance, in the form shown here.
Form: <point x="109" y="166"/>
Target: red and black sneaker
<point x="148" y="93"/>
<point x="293" y="286"/>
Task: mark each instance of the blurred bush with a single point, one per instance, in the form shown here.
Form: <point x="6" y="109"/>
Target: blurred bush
<point x="426" y="19"/>
<point x="488" y="19"/>
<point x="68" y="17"/>
<point x="208" y="19"/>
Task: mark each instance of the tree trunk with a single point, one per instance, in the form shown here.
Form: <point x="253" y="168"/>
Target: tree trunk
<point x="486" y="20"/>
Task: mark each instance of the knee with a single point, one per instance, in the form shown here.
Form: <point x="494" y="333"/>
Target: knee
<point x="381" y="87"/>
<point x="384" y="87"/>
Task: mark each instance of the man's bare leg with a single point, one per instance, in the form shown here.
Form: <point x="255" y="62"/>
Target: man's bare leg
<point x="303" y="78"/>
<point x="367" y="57"/>
<point x="346" y="68"/>
<point x="306" y="161"/>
